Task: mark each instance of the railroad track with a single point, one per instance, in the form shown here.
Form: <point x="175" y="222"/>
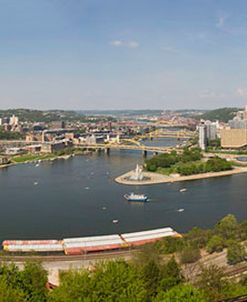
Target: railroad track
<point x="236" y="271"/>
<point x="83" y="257"/>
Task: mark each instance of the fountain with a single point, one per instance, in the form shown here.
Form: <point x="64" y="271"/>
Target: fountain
<point x="137" y="174"/>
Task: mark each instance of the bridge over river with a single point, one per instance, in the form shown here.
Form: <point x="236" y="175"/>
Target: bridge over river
<point x="143" y="148"/>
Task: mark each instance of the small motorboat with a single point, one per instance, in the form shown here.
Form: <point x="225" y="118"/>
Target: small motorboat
<point x="183" y="190"/>
<point x="114" y="221"/>
<point x="180" y="210"/>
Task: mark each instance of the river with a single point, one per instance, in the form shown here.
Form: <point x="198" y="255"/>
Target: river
<point x="78" y="197"/>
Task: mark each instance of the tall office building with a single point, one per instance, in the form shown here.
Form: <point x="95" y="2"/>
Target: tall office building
<point x="202" y="136"/>
<point x="211" y="130"/>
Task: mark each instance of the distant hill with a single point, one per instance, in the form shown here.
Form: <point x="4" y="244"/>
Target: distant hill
<point x="47" y="116"/>
<point x="221" y="114"/>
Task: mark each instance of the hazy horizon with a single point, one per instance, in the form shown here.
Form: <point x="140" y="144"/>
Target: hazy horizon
<point x="113" y="54"/>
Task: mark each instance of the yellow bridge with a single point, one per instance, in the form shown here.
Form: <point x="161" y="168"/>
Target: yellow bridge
<point x="164" y="133"/>
<point x="143" y="148"/>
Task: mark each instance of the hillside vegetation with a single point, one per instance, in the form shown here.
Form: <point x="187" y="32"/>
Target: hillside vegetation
<point x="47" y="116"/>
<point x="221" y="114"/>
<point x="158" y="273"/>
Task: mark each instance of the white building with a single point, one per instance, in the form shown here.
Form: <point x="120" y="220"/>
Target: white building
<point x="211" y="130"/>
<point x="202" y="136"/>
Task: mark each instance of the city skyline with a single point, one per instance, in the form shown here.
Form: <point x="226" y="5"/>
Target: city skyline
<point x="114" y="55"/>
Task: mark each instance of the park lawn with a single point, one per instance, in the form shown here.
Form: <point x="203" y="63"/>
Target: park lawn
<point x="32" y="157"/>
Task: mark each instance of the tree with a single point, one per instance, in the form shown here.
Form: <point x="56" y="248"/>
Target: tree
<point x="151" y="276"/>
<point x="181" y="293"/>
<point x="111" y="281"/>
<point x="212" y="282"/>
<point x="170" y="245"/>
<point x="74" y="286"/>
<point x="215" y="244"/>
<point x="190" y="254"/>
<point x="10" y="294"/>
<point x="171" y="275"/>
<point x="227" y="227"/>
<point x="27" y="285"/>
<point x="235" y="252"/>
<point x="33" y="282"/>
<point x="198" y="237"/>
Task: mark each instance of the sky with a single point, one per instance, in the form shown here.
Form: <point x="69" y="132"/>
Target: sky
<point x="123" y="54"/>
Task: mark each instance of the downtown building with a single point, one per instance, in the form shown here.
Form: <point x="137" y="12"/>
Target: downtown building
<point x="235" y="135"/>
<point x="207" y="132"/>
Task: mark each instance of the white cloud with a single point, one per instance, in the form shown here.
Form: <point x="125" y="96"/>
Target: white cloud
<point x="132" y="44"/>
<point x="242" y="92"/>
<point x="127" y="44"/>
<point x="116" y="43"/>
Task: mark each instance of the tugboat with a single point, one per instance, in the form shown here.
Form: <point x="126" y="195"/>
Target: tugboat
<point x="136" y="197"/>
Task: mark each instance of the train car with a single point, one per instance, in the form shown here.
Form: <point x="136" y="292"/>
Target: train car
<point x="141" y="238"/>
<point x="75" y="246"/>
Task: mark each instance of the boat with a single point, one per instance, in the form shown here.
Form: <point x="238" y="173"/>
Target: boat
<point x="180" y="210"/>
<point x="136" y="197"/>
<point x="183" y="190"/>
<point x="114" y="221"/>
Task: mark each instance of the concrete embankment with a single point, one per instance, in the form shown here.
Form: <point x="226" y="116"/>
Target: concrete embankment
<point x="156" y="178"/>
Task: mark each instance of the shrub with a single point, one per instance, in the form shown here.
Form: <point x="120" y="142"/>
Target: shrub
<point x="190" y="254"/>
<point x="235" y="253"/>
<point x="215" y="244"/>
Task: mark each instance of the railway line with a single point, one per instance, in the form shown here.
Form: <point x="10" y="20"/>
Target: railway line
<point x="69" y="258"/>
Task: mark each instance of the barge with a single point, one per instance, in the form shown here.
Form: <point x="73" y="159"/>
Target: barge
<point x="84" y="245"/>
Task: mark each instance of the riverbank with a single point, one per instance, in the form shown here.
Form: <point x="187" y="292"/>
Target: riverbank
<point x="38" y="158"/>
<point x="157" y="178"/>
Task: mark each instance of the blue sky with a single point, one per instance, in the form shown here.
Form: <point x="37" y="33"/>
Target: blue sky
<point x="115" y="54"/>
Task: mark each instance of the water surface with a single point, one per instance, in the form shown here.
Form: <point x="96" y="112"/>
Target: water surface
<point x="78" y="197"/>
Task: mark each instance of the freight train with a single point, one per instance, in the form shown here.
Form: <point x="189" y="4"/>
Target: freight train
<point x="84" y="245"/>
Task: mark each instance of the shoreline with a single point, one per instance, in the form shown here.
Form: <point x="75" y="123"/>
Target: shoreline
<point x="32" y="161"/>
<point x="157" y="178"/>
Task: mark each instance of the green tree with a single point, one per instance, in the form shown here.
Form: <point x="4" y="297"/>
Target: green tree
<point x="33" y="282"/>
<point x="227" y="227"/>
<point x="213" y="283"/>
<point x="112" y="281"/>
<point x="170" y="245"/>
<point x="74" y="286"/>
<point x="190" y="254"/>
<point x="151" y="276"/>
<point x="215" y="244"/>
<point x="10" y="294"/>
<point x="235" y="252"/>
<point x="198" y="237"/>
<point x="181" y="293"/>
<point x="171" y="275"/>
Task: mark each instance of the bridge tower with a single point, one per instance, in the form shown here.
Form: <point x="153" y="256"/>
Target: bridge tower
<point x="107" y="151"/>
